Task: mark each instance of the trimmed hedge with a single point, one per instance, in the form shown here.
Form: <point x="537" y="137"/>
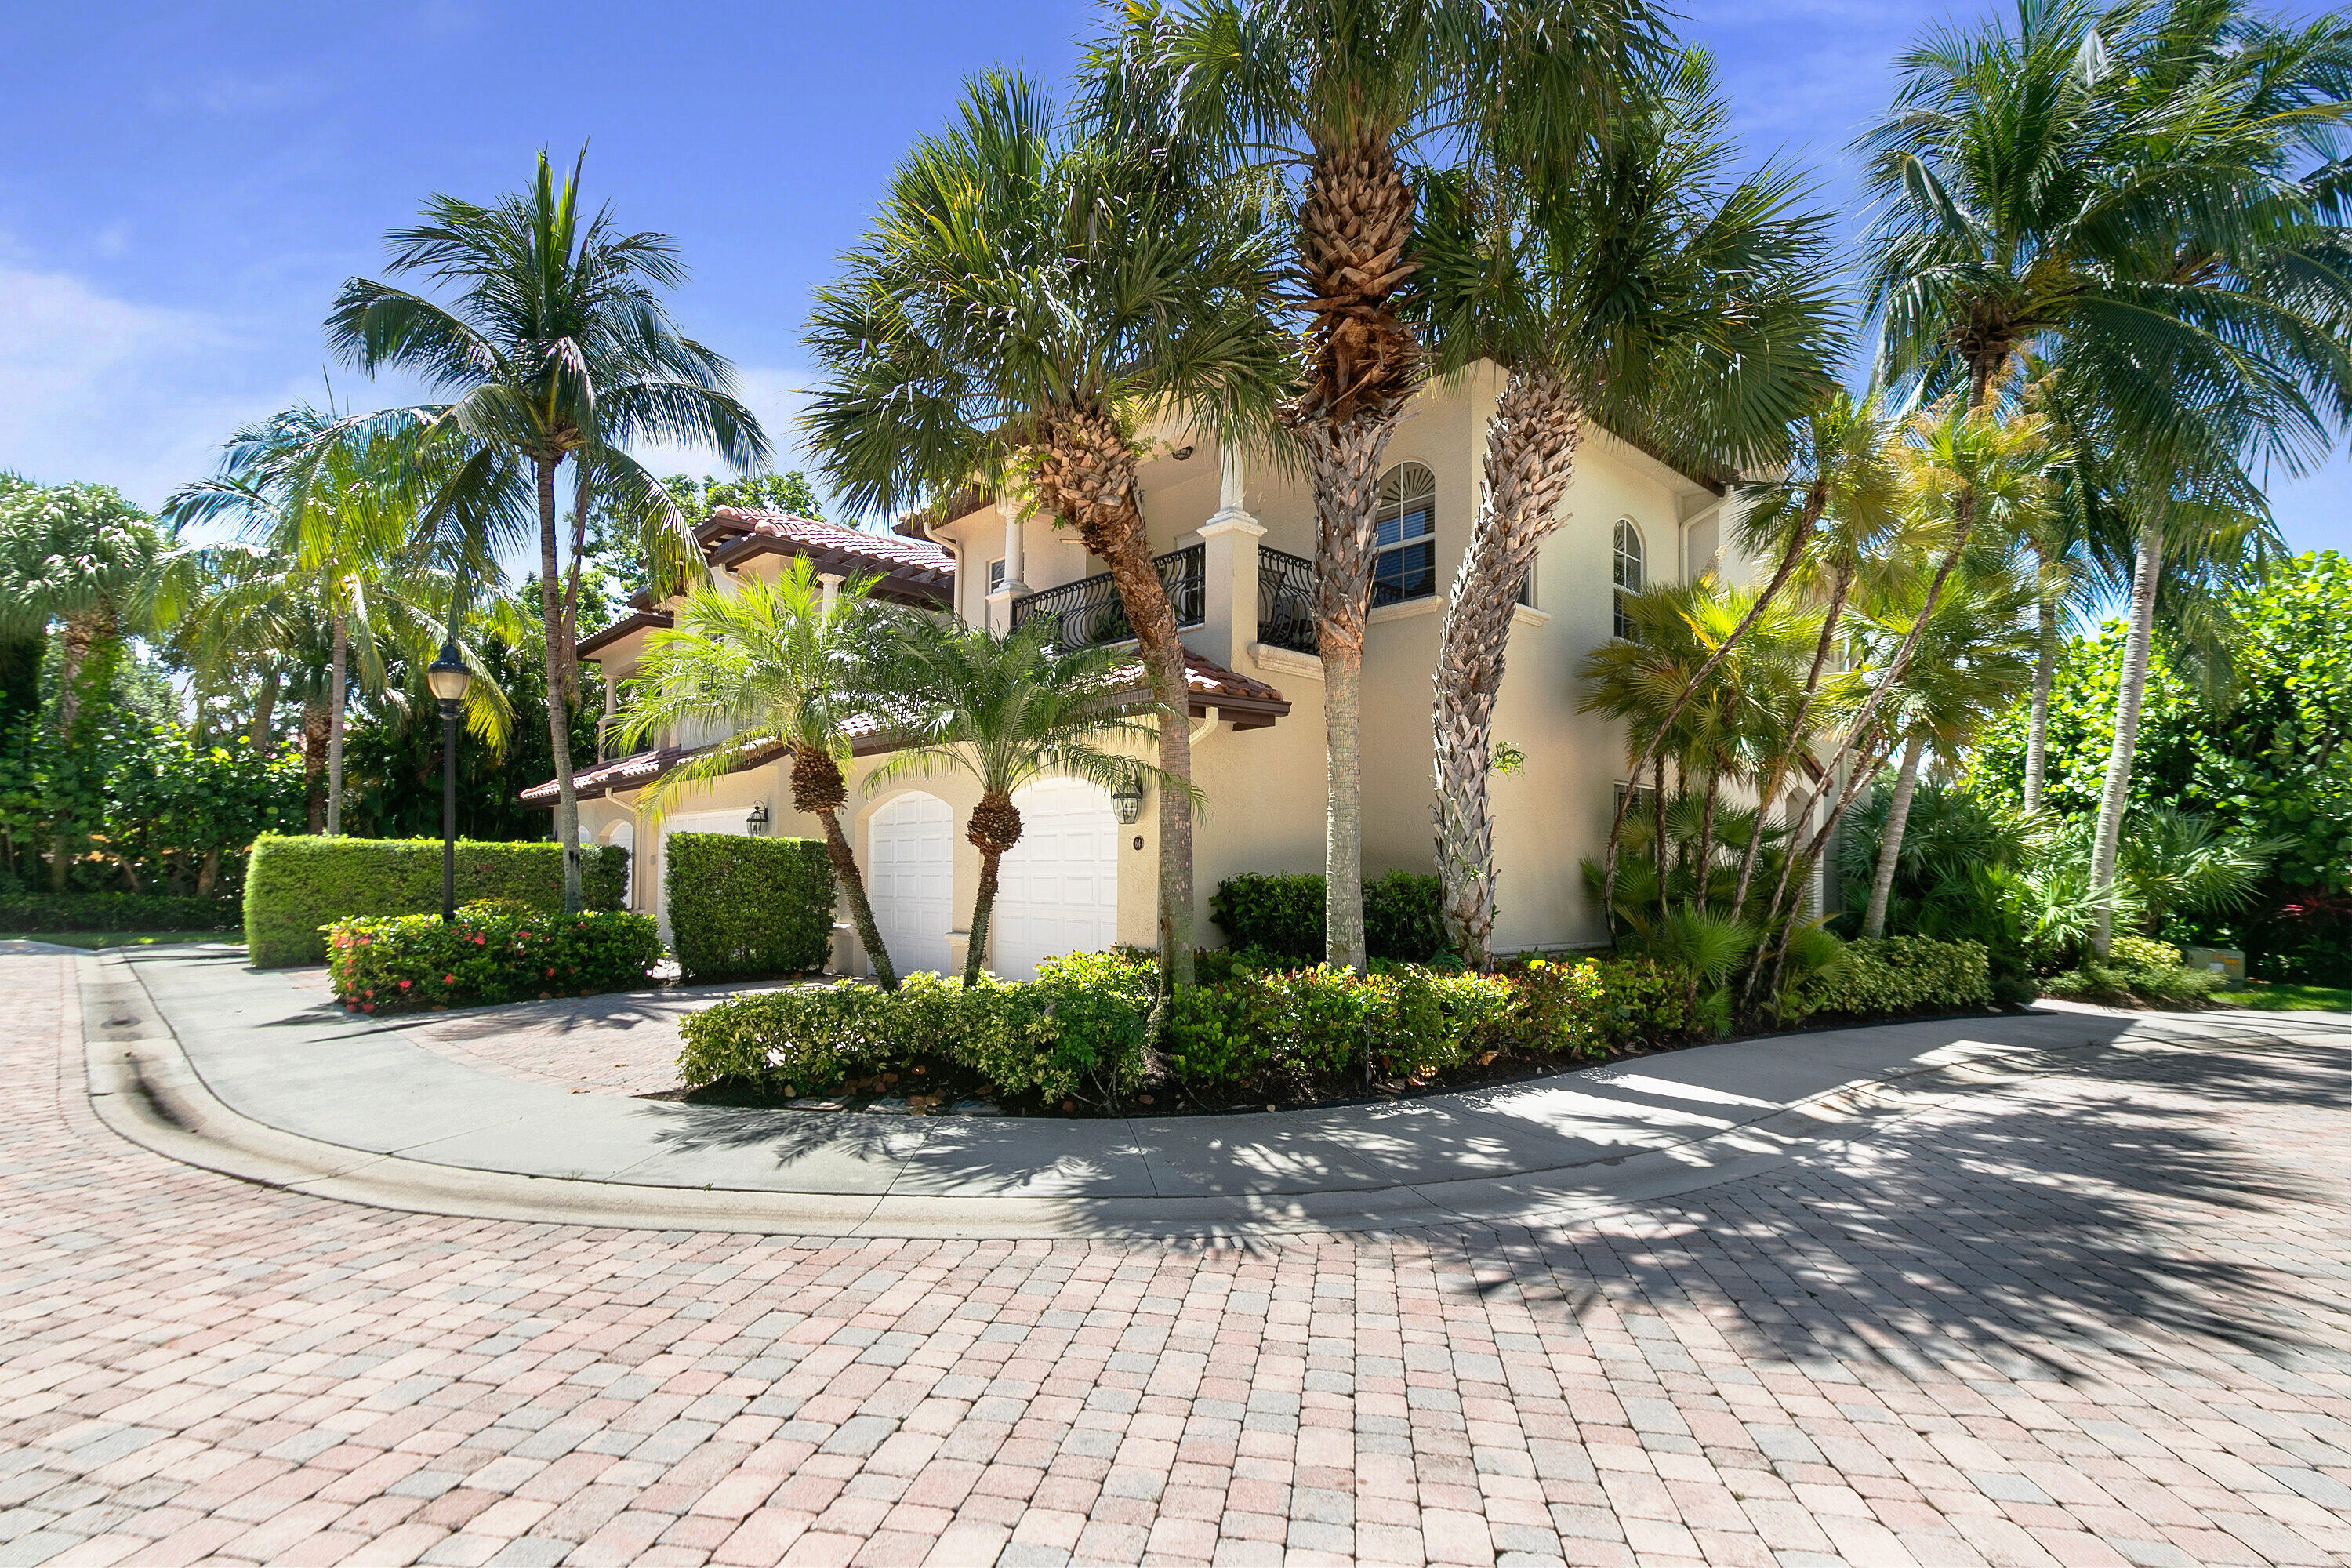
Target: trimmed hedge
<point x="294" y="887"/>
<point x="1078" y="1028"/>
<point x="1900" y="975"/>
<point x="1280" y="914"/>
<point x="743" y="908"/>
<point x="496" y="949"/>
<point x="116" y="911"/>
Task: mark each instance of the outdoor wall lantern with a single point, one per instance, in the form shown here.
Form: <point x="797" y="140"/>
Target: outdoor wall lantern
<point x="449" y="678"/>
<point x="757" y="822"/>
<point x="1128" y="798"/>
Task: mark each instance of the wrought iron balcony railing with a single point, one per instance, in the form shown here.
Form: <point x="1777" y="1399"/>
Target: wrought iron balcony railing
<point x="1285" y="600"/>
<point x="1087" y="612"/>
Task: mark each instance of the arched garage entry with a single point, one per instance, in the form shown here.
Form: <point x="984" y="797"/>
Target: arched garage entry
<point x="1057" y="888"/>
<point x="910" y="880"/>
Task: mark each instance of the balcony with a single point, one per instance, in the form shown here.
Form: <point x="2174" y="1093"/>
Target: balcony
<point x="1285" y="601"/>
<point x="1087" y="612"/>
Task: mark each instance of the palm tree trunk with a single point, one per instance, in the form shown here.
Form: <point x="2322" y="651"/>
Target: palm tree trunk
<point x="1086" y="475"/>
<point x="315" y="724"/>
<point x="337" y="700"/>
<point x="994" y="828"/>
<point x="2129" y="692"/>
<point x="81" y="634"/>
<point x="1344" y="459"/>
<point x="265" y="708"/>
<point x="1531" y="443"/>
<point x="983" y="904"/>
<point x="861" y="912"/>
<point x="2037" y="731"/>
<point x="559" y="710"/>
<point x="1702" y="864"/>
<point x="1890" y="844"/>
<point x="1816" y="499"/>
<point x="1658" y="844"/>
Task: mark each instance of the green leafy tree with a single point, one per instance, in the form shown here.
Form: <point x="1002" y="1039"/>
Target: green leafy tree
<point x="555" y="348"/>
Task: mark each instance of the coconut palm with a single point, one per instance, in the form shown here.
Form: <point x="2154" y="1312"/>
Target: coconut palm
<point x="775" y="662"/>
<point x="1634" y="285"/>
<point x="1006" y="708"/>
<point x="1339" y="90"/>
<point x="1971" y="664"/>
<point x="1024" y="306"/>
<point x="555" y="348"/>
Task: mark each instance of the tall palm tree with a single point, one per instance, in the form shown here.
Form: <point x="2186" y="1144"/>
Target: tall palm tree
<point x="1339" y="90"/>
<point x="1006" y="708"/>
<point x="775" y="661"/>
<point x="1634" y="284"/>
<point x="555" y="347"/>
<point x="1024" y="306"/>
<point x="1969" y="666"/>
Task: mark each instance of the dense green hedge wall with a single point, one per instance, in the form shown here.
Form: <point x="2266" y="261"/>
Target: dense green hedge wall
<point x="295" y="885"/>
<point x="1900" y="975"/>
<point x="740" y="908"/>
<point x="1079" y="1028"/>
<point x="1280" y="916"/>
<point x="498" y="950"/>
<point x="116" y="911"/>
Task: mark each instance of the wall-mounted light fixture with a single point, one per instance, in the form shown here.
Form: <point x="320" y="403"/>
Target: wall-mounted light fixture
<point x="757" y="822"/>
<point x="1180" y="452"/>
<point x="1128" y="798"/>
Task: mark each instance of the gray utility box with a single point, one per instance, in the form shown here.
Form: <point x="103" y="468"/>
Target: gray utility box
<point x="2226" y="961"/>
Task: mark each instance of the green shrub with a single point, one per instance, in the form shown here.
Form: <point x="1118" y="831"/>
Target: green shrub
<point x="1281" y="912"/>
<point x="1401" y="919"/>
<point x="115" y="911"/>
<point x="2136" y="970"/>
<point x="296" y="886"/>
<point x="742" y="908"/>
<point x="1899" y="974"/>
<point x="1079" y="1027"/>
<point x="495" y="951"/>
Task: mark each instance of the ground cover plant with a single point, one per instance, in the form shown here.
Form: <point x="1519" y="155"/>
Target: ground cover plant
<point x="495" y="950"/>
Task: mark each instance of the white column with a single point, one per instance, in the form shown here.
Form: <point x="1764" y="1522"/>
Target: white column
<point x="831" y="582"/>
<point x="1229" y="607"/>
<point x="1000" y="603"/>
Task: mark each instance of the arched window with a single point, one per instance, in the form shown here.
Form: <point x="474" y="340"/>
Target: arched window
<point x="1405" y="563"/>
<point x="1630" y="577"/>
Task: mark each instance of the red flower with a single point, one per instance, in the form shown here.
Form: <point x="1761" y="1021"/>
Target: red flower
<point x="448" y="980"/>
<point x="403" y="985"/>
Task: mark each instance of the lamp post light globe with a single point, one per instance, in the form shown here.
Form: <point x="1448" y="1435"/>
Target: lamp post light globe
<point x="449" y="678"/>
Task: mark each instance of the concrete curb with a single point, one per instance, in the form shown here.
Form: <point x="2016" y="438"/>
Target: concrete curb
<point x="143" y="1088"/>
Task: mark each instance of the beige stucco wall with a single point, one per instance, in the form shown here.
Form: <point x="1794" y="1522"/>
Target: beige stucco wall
<point x="1266" y="788"/>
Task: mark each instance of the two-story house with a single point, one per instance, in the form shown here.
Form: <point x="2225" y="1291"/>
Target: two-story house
<point x="1237" y="547"/>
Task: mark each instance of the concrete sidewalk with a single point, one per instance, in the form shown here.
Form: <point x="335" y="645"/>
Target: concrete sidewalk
<point x="259" y="1061"/>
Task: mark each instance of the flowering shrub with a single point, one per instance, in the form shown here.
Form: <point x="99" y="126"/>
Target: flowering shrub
<point x="498" y="950"/>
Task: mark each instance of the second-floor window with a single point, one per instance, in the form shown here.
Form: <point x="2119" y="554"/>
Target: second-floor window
<point x="1405" y="564"/>
<point x="996" y="576"/>
<point x="1629" y="575"/>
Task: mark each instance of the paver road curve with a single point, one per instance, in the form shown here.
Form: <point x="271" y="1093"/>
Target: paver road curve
<point x="2095" y="1317"/>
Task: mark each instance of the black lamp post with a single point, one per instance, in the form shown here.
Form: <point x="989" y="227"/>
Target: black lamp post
<point x="449" y="678"/>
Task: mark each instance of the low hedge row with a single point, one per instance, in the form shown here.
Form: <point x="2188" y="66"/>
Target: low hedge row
<point x="1897" y="974"/>
<point x="1280" y="914"/>
<point x="742" y="908"/>
<point x="496" y="949"/>
<point x="1078" y="1028"/>
<point x="296" y="886"/>
<point x="115" y="911"/>
<point x="2136" y="970"/>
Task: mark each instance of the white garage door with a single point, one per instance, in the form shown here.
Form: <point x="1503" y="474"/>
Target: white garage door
<point x="1057" y="888"/>
<point x="911" y="881"/>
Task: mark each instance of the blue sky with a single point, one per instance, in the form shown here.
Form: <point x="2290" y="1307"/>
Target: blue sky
<point x="186" y="185"/>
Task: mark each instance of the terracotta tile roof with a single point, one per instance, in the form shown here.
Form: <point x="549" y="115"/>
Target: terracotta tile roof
<point x="729" y="528"/>
<point x="1244" y="703"/>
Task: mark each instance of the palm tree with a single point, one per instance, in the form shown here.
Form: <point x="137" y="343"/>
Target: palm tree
<point x="1969" y="666"/>
<point x="334" y="520"/>
<point x="1006" y="708"/>
<point x="1634" y="285"/>
<point x="555" y="348"/>
<point x="1025" y="304"/>
<point x="1339" y="89"/>
<point x="773" y="662"/>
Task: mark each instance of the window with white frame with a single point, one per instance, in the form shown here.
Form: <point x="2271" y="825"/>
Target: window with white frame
<point x="1630" y="575"/>
<point x="996" y="576"/>
<point x="1405" y="563"/>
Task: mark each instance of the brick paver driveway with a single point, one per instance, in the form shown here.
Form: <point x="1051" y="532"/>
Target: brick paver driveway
<point x="2097" y="1317"/>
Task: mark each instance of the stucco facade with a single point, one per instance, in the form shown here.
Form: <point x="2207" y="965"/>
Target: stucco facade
<point x="1264" y="784"/>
